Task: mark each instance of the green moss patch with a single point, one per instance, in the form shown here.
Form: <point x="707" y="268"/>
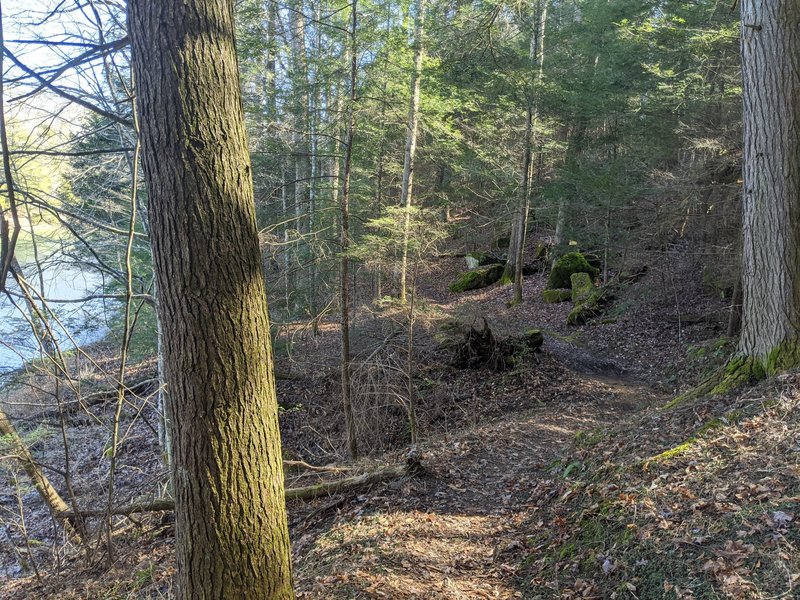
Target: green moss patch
<point x="589" y="302"/>
<point x="554" y="296"/>
<point x="573" y="262"/>
<point x="477" y="278"/>
<point x="582" y="286"/>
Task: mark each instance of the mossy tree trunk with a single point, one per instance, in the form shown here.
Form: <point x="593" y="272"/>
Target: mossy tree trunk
<point x="770" y="47"/>
<point x="231" y="530"/>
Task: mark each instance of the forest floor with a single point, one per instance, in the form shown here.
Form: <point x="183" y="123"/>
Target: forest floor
<point x="561" y="478"/>
<point x="460" y="531"/>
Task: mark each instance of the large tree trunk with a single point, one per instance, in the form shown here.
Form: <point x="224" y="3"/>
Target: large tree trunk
<point x="407" y="186"/>
<point x="771" y="193"/>
<point x="231" y="530"/>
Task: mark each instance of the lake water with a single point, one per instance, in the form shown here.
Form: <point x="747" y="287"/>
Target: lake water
<point x="83" y="322"/>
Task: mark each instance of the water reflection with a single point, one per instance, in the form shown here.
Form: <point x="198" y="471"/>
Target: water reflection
<point x="84" y="322"/>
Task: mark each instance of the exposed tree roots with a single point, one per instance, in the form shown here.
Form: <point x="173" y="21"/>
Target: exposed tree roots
<point x="739" y="371"/>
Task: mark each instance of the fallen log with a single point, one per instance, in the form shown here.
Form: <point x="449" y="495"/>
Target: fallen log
<point x="301" y="465"/>
<point x="410" y="469"/>
<point x="58" y="507"/>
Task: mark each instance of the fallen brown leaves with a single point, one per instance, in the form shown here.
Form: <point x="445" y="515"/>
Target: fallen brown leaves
<point x="716" y="519"/>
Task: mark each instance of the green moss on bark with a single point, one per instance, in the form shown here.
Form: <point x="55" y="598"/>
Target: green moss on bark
<point x="783" y="357"/>
<point x="741" y="371"/>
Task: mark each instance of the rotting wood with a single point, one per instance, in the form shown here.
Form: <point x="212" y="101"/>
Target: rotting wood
<point x="302" y="465"/>
<point x="412" y="468"/>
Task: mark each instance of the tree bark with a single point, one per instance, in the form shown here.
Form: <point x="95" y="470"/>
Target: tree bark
<point x="300" y="143"/>
<point x="407" y="186"/>
<point x="231" y="529"/>
<point x="516" y="251"/>
<point x="771" y="194"/>
<point x="344" y="274"/>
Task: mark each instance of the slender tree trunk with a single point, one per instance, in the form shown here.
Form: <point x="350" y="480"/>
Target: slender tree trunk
<point x="771" y="191"/>
<point x="559" y="237"/>
<point x="407" y="187"/>
<point x="9" y="230"/>
<point x="36" y="315"/>
<point x="344" y="278"/>
<point x="315" y="169"/>
<point x="519" y="230"/>
<point x="381" y="160"/>
<point x="288" y="269"/>
<point x="411" y="392"/>
<point x="300" y="139"/>
<point x="271" y="60"/>
<point x="231" y="529"/>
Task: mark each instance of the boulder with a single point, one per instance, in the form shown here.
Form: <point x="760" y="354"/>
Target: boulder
<point x="553" y="296"/>
<point x="589" y="306"/>
<point x="531" y="269"/>
<point x="582" y="286"/>
<point x="534" y="338"/>
<point x="572" y="262"/>
<point x="502" y="243"/>
<point x="542" y="251"/>
<point x="594" y="260"/>
<point x="482" y="259"/>
<point x="477" y="278"/>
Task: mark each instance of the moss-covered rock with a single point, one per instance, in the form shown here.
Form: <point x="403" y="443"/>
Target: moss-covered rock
<point x="588" y="306"/>
<point x="477" y="278"/>
<point x="482" y="259"/>
<point x="582" y="313"/>
<point x="553" y="296"/>
<point x="573" y="262"/>
<point x="594" y="260"/>
<point x="534" y="338"/>
<point x="582" y="286"/>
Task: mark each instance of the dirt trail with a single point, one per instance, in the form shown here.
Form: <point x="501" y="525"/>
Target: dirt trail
<point x="462" y="532"/>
